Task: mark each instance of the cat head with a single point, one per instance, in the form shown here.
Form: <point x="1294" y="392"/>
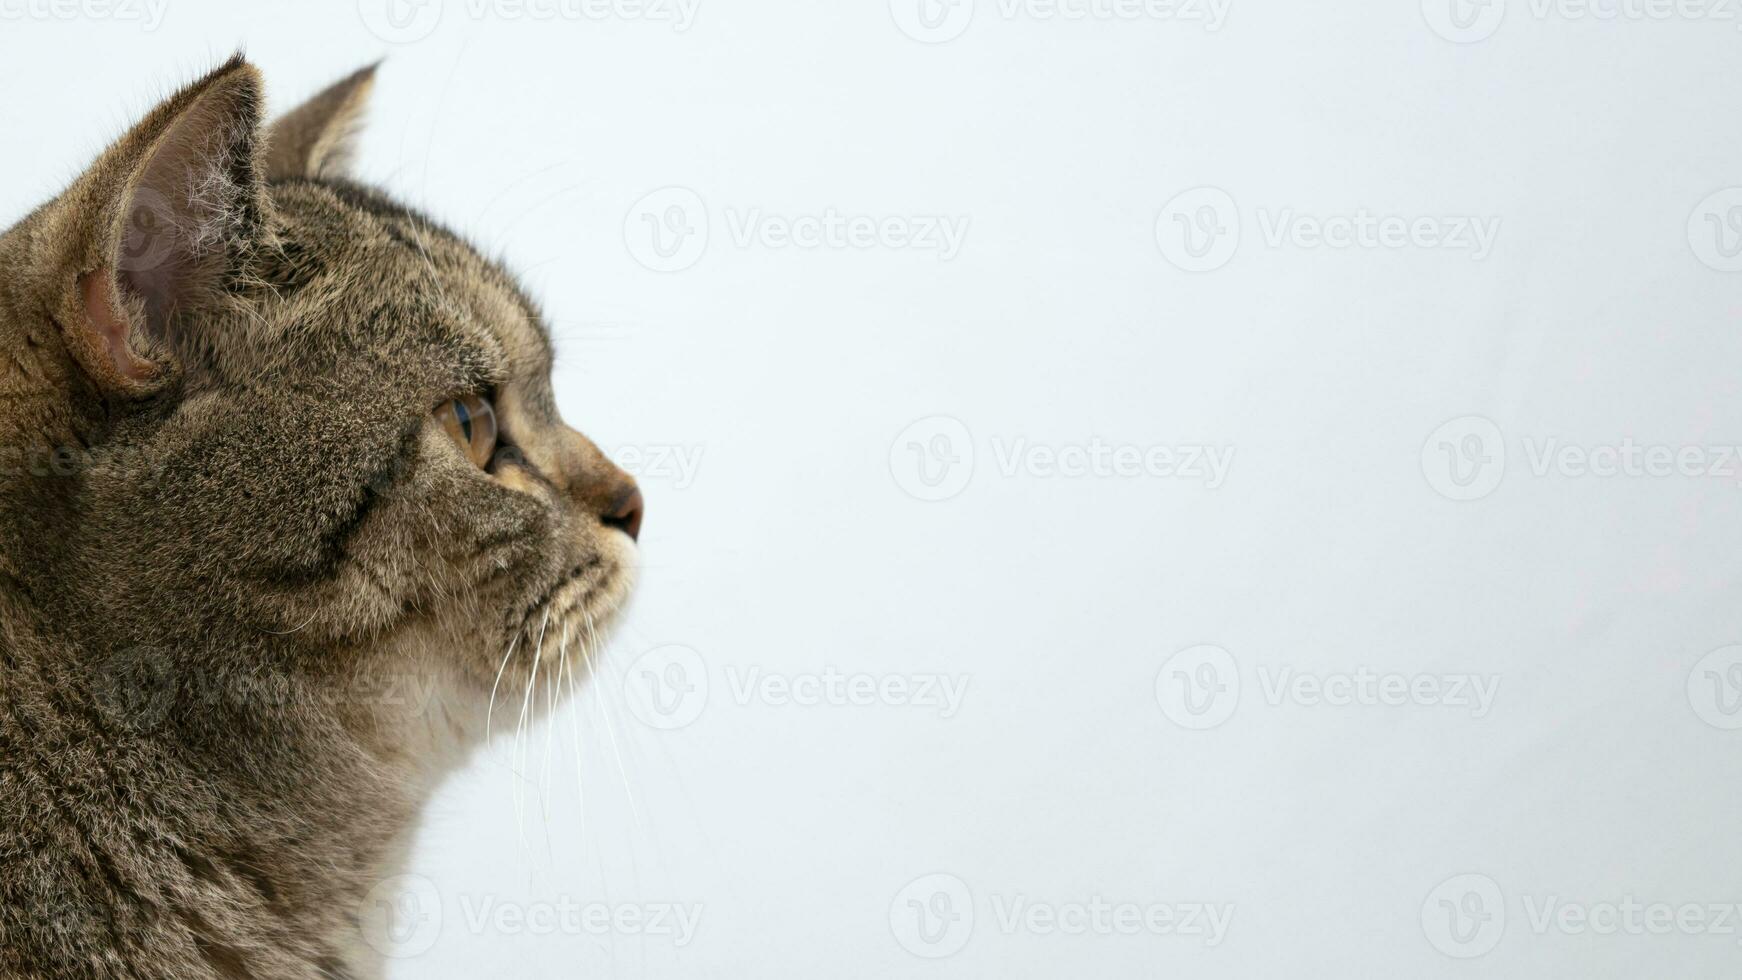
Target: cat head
<point x="256" y="410"/>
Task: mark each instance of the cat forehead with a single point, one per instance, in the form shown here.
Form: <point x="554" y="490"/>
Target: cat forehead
<point x="354" y="239"/>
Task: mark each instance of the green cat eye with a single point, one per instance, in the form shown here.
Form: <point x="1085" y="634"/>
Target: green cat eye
<point x="471" y="421"/>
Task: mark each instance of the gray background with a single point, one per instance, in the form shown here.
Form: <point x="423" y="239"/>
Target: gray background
<point x="1121" y="737"/>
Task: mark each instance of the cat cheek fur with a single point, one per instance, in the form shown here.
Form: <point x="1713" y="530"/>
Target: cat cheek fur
<point x="264" y="610"/>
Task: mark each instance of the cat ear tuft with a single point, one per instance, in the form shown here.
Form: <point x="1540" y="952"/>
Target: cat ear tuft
<point x="316" y="139"/>
<point x="159" y="223"/>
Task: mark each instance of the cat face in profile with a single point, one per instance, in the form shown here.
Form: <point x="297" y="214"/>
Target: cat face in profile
<point x="341" y="414"/>
<point x="262" y="429"/>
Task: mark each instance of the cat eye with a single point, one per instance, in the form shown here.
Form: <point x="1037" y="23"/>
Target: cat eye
<point x="471" y="421"/>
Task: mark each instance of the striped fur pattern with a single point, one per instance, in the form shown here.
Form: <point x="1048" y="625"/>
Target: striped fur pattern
<point x="253" y="601"/>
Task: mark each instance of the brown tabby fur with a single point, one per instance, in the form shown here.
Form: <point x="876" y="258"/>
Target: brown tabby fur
<point x="253" y="601"/>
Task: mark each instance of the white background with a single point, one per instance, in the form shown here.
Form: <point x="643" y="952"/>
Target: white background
<point x="1072" y="771"/>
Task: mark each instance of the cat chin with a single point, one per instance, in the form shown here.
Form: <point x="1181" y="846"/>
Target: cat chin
<point x="593" y="600"/>
<point x="557" y="650"/>
<point x="580" y="613"/>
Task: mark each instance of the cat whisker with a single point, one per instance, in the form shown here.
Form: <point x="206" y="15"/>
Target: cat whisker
<point x="298" y="629"/>
<point x="491" y="710"/>
<point x="435" y="277"/>
<point x="575" y="742"/>
<point x="552" y="689"/>
<point x="610" y="726"/>
<point x="516" y="763"/>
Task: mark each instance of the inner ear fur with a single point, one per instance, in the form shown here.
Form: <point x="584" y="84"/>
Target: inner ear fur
<point x="157" y="225"/>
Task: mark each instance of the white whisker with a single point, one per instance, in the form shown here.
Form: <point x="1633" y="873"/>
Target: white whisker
<point x="551" y="692"/>
<point x="516" y="762"/>
<point x="491" y="710"/>
<point x="610" y="726"/>
<point x="575" y="743"/>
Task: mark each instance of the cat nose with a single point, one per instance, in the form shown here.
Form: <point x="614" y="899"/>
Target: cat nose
<point x="596" y="485"/>
<point x="625" y="514"/>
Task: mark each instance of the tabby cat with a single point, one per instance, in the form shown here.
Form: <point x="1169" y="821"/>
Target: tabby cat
<point x="286" y="506"/>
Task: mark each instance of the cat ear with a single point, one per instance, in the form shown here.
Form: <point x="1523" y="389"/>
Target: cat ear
<point x="157" y="225"/>
<point x="315" y="139"/>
